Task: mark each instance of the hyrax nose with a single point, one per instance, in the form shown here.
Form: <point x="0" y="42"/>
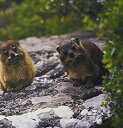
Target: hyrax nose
<point x="13" y="55"/>
<point x="71" y="55"/>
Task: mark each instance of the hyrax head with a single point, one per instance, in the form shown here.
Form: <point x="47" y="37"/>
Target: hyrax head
<point x="11" y="53"/>
<point x="69" y="50"/>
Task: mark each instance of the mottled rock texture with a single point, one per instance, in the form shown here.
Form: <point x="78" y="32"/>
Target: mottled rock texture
<point x="52" y="101"/>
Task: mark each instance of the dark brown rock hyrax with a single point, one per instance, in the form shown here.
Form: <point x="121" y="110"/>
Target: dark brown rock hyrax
<point x="16" y="66"/>
<point x="82" y="61"/>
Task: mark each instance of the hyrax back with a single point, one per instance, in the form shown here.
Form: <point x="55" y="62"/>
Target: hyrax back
<point x="16" y="66"/>
<point x="82" y="60"/>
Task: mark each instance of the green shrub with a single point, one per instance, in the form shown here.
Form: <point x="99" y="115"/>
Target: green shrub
<point x="112" y="26"/>
<point x="47" y="17"/>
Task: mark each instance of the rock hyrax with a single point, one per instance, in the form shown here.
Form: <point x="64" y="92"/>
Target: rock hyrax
<point x="17" y="69"/>
<point x="82" y="61"/>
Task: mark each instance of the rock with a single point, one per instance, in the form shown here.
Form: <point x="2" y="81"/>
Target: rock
<point x="91" y="102"/>
<point x="99" y="121"/>
<point x="68" y="123"/>
<point x="5" y="123"/>
<point x="51" y="100"/>
<point x="82" y="124"/>
<point x="84" y="112"/>
<point x="48" y="123"/>
<point x="36" y="100"/>
<point x="64" y="112"/>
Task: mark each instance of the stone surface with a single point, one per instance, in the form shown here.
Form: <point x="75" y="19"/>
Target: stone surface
<point x="52" y="101"/>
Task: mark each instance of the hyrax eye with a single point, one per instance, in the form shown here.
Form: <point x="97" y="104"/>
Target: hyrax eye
<point x="14" y="49"/>
<point x="58" y="49"/>
<point x="5" y="53"/>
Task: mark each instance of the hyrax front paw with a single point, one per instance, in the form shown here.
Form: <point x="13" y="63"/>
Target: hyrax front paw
<point x="78" y="83"/>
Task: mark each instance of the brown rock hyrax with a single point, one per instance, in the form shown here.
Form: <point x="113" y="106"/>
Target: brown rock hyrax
<point x="17" y="69"/>
<point x="82" y="61"/>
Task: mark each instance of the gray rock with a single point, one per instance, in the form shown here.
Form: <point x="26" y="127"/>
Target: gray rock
<point x="95" y="101"/>
<point x="84" y="112"/>
<point x="71" y="125"/>
<point x="43" y="99"/>
<point x="68" y="123"/>
<point x="99" y="120"/>
<point x="5" y="123"/>
<point x="82" y="124"/>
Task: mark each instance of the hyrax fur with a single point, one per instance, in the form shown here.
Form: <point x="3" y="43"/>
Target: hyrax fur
<point x="17" y="69"/>
<point x="82" y="61"/>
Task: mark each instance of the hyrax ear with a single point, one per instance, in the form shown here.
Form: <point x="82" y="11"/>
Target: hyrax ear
<point x="17" y="43"/>
<point x="58" y="49"/>
<point x="0" y="47"/>
<point x="76" y="40"/>
<point x="0" y="44"/>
